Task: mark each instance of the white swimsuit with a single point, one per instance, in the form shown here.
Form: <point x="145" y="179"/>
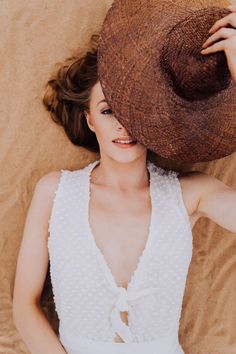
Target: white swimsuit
<point x="87" y="298"/>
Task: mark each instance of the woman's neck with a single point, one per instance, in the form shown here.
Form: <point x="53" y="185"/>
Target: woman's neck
<point x="123" y="176"/>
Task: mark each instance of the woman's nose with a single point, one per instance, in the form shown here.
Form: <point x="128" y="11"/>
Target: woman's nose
<point x="119" y="126"/>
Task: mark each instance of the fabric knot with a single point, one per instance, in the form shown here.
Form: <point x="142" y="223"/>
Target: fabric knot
<point x="124" y="298"/>
<point x="122" y="302"/>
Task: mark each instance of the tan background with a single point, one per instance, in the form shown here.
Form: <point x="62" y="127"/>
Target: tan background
<point x="34" y="35"/>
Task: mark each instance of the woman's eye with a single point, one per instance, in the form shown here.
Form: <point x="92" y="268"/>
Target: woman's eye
<point x="107" y="110"/>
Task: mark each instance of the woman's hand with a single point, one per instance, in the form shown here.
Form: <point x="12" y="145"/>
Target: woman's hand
<point x="228" y="42"/>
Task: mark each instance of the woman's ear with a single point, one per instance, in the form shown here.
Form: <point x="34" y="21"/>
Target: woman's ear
<point x="88" y="119"/>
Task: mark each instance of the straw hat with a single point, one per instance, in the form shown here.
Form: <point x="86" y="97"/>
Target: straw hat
<point x="171" y="98"/>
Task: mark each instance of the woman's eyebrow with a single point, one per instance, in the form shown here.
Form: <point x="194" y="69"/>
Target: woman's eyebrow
<point x="104" y="100"/>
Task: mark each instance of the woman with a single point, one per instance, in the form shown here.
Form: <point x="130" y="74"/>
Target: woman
<point x="105" y="304"/>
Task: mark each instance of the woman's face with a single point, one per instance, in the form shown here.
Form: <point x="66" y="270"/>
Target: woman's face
<point x="107" y="128"/>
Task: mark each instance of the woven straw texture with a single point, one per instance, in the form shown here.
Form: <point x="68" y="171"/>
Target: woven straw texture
<point x="177" y="102"/>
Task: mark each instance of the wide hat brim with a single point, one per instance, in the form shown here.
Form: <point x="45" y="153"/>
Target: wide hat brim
<point x="137" y="89"/>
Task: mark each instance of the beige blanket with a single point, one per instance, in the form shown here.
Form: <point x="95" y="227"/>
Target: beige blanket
<point x="34" y="35"/>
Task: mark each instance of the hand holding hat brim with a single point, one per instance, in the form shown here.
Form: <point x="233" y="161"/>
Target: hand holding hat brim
<point x="220" y="31"/>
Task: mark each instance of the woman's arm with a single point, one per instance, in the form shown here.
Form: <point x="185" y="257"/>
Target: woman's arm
<point x="214" y="199"/>
<point x="32" y="264"/>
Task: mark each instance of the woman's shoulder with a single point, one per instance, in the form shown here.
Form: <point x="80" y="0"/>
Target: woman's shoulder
<point x="43" y="194"/>
<point x="200" y="184"/>
<point x="47" y="185"/>
<point x="194" y="180"/>
<point x="192" y="184"/>
<point x="49" y="180"/>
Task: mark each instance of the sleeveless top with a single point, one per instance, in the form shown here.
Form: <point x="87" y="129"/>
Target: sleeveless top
<point x="87" y="299"/>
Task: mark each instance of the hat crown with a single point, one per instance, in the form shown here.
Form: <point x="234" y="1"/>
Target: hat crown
<point x="192" y="75"/>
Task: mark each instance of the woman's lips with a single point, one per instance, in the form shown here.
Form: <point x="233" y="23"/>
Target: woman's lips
<point x="125" y="146"/>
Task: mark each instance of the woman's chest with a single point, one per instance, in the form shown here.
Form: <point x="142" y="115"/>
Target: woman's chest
<point x="120" y="227"/>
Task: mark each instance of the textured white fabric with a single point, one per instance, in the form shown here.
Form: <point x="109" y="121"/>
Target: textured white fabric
<point x="78" y="345"/>
<point x="87" y="298"/>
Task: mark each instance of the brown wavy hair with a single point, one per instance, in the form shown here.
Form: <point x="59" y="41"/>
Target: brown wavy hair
<point x="67" y="95"/>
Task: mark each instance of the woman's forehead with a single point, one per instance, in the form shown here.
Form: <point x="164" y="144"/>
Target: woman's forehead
<point x="97" y="93"/>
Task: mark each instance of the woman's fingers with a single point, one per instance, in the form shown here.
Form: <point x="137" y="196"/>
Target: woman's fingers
<point x="222" y="33"/>
<point x="223" y="22"/>
<point x="219" y="46"/>
<point x="228" y="45"/>
<point x="223" y="38"/>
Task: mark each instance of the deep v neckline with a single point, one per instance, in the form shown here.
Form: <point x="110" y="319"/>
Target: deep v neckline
<point x="106" y="268"/>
